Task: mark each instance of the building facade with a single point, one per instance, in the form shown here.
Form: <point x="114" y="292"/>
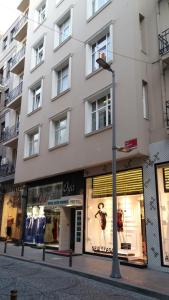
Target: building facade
<point x="64" y="147"/>
<point x="12" y="51"/>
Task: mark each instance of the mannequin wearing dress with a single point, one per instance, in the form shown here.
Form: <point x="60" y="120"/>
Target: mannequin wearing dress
<point x="101" y="215"/>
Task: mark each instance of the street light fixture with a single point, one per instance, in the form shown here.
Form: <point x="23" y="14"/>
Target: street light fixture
<point x="115" y="262"/>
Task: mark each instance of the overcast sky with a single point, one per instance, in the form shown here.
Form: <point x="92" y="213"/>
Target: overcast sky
<point x="8" y="13"/>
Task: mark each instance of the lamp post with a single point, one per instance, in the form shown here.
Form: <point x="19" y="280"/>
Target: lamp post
<point x="115" y="263"/>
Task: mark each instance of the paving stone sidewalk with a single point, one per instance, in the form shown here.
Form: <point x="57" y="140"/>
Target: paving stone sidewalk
<point x="36" y="282"/>
<point x="99" y="268"/>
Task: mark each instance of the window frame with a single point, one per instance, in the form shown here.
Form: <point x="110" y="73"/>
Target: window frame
<point x="105" y="93"/>
<point x="91" y="11"/>
<point x="29" y="134"/>
<point x="32" y="98"/>
<point x="107" y="33"/>
<point x="145" y="99"/>
<point x="36" y="50"/>
<point x="67" y="16"/>
<point x="53" y="143"/>
<point x="66" y="63"/>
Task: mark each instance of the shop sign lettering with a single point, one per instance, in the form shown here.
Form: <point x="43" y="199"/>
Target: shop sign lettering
<point x="68" y="188"/>
<point x="99" y="249"/>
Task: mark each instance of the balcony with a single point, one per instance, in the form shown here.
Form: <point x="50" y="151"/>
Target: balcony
<point x="18" y="62"/>
<point x="3" y="83"/>
<point x="7" y="172"/>
<point x="21" y="28"/>
<point x="164" y="45"/>
<point x="23" y="5"/>
<point x="14" y="97"/>
<point x="10" y="136"/>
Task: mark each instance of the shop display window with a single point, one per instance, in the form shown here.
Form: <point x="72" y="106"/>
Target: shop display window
<point x="42" y="225"/>
<point x="11" y="226"/>
<point x="163" y="196"/>
<point x="130" y="216"/>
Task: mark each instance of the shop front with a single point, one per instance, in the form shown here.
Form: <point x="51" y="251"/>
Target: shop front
<point x="130" y="216"/>
<point x="51" y="215"/>
<point x="12" y="216"/>
<point x="163" y="204"/>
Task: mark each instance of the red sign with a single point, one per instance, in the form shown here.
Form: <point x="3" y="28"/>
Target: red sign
<point x="131" y="143"/>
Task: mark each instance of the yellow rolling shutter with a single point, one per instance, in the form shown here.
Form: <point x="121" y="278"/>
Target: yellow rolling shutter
<point x="128" y="182"/>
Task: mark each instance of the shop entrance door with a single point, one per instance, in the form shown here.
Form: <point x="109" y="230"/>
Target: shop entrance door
<point x="78" y="230"/>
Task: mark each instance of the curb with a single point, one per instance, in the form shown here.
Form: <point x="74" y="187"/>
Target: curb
<point x="110" y="281"/>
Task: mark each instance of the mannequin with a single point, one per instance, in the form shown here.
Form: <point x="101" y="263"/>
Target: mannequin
<point x="102" y="220"/>
<point x="41" y="223"/>
<point x="120" y="222"/>
<point x="10" y="221"/>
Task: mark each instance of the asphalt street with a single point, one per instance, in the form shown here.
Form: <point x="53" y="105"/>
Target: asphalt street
<point x="33" y="281"/>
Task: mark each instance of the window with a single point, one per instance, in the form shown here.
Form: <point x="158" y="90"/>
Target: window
<point x="38" y="53"/>
<point x="40" y="13"/>
<point x="35" y="97"/>
<point x="61" y="78"/>
<point x="102" y="43"/>
<point x="59" y="130"/>
<point x="8" y="68"/>
<point x="63" y="28"/>
<point x="145" y="100"/>
<point x="12" y="33"/>
<point x="142" y="32"/>
<point x="94" y="5"/>
<point x="4" y="45"/>
<point x="98" y="112"/>
<point x="32" y="142"/>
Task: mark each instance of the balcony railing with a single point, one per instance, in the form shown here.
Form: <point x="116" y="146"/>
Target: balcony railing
<point x="167" y="114"/>
<point x="7" y="169"/>
<point x="15" y="93"/>
<point x="21" y="22"/>
<point x="164" y="42"/>
<point x="18" y="56"/>
<point x="10" y="133"/>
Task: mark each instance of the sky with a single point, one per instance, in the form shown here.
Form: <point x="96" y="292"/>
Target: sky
<point x="8" y="13"/>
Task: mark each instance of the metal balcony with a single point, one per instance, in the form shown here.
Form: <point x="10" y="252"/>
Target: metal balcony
<point x="10" y="136"/>
<point x="7" y="172"/>
<point x="21" y="28"/>
<point x="23" y="5"/>
<point x="14" y="97"/>
<point x="164" y="45"/>
<point x="18" y="62"/>
<point x="3" y="83"/>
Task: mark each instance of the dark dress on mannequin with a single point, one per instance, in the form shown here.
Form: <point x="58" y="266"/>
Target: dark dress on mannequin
<point x="103" y="216"/>
<point x="120" y="220"/>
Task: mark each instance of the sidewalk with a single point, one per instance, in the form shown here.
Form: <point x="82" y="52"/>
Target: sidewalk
<point x="144" y="281"/>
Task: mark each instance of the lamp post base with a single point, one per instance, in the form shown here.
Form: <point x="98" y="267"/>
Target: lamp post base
<point x="115" y="270"/>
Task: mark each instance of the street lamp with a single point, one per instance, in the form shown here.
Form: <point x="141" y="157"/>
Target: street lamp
<point x="115" y="263"/>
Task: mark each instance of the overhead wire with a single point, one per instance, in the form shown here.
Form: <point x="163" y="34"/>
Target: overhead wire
<point x="80" y="41"/>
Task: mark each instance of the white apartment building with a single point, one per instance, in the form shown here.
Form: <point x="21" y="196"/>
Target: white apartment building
<point x="64" y="150"/>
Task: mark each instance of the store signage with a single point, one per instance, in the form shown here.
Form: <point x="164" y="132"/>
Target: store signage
<point x="65" y="202"/>
<point x="68" y="188"/>
<point x="99" y="249"/>
<point x="131" y="144"/>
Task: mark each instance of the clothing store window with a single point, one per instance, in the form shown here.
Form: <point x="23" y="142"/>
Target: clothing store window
<point x="163" y="197"/>
<point x="11" y="226"/>
<point x="130" y="216"/>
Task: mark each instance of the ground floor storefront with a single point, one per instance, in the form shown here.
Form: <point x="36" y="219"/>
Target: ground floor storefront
<point x="156" y="191"/>
<point x="11" y="224"/>
<point x="54" y="212"/>
<point x="131" y="225"/>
